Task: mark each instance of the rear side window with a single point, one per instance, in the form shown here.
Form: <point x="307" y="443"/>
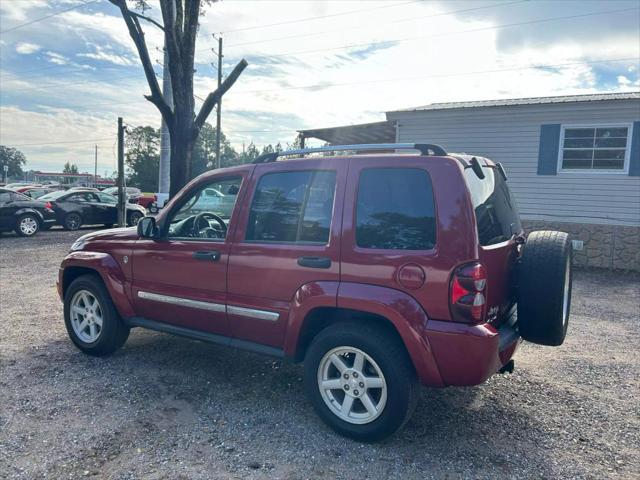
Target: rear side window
<point x="292" y="207"/>
<point x="496" y="211"/>
<point x="395" y="209"/>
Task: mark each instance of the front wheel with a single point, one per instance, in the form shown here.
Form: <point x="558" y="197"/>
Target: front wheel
<point x="360" y="381"/>
<point x="92" y="321"/>
<point x="28" y="225"/>
<point x="134" y="218"/>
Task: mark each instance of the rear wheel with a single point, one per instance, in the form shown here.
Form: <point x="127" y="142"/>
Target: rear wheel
<point x="28" y="225"/>
<point x="72" y="221"/>
<point x="544" y="288"/>
<point x="92" y="321"/>
<point x="360" y="381"/>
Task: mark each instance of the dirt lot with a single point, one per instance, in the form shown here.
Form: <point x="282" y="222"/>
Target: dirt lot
<point x="165" y="407"/>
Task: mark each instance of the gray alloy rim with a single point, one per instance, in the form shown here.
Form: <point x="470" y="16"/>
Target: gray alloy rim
<point x="86" y="316"/>
<point x="352" y="385"/>
<point x="565" y="300"/>
<point x="28" y="225"/>
<point x="134" y="218"/>
<point x="73" y="221"/>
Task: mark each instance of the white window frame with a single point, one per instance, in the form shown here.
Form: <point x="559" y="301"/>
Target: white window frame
<point x="599" y="171"/>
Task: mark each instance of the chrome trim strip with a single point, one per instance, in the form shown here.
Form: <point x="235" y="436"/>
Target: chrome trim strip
<point x="183" y="302"/>
<point x="253" y="313"/>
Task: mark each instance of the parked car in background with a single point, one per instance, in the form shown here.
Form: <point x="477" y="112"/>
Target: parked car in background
<point x="38" y="190"/>
<point x="380" y="272"/>
<point x="74" y="208"/>
<point x="135" y="195"/>
<point x="22" y="214"/>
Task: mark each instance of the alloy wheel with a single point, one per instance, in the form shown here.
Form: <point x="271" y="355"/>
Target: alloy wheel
<point x="352" y="385"/>
<point x="86" y="316"/>
<point x="28" y="225"/>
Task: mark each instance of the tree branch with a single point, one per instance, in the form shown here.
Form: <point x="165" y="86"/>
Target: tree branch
<point x="214" y="97"/>
<point x="137" y="35"/>
<point x="151" y="20"/>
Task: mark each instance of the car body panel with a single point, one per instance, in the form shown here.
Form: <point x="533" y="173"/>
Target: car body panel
<point x="14" y="204"/>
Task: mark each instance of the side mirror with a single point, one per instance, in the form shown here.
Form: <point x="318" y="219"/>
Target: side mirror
<point x="147" y="228"/>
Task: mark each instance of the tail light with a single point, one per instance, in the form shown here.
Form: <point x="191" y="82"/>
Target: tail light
<point x="48" y="205"/>
<point x="467" y="293"/>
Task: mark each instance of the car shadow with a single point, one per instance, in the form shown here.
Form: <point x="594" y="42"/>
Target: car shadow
<point x="173" y="383"/>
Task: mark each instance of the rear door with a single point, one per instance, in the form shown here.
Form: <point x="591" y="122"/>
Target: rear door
<point x="288" y="236"/>
<point x="498" y="223"/>
<point x="6" y="210"/>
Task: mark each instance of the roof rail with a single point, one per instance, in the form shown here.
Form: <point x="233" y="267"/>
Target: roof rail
<point x="423" y="148"/>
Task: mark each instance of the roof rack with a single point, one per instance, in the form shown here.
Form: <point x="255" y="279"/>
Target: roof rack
<point x="423" y="148"/>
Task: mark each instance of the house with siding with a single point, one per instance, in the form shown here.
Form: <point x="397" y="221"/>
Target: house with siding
<point x="573" y="161"/>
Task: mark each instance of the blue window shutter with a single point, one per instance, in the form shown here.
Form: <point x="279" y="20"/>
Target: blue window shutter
<point x="634" y="158"/>
<point x="548" y="149"/>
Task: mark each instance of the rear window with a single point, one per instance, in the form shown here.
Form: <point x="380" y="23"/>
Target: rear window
<point x="496" y="211"/>
<point x="395" y="209"/>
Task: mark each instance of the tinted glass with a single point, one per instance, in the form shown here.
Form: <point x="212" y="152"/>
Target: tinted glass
<point x="395" y="209"/>
<point x="496" y="212"/>
<point x="104" y="198"/>
<point x="5" y="197"/>
<point x="292" y="207"/>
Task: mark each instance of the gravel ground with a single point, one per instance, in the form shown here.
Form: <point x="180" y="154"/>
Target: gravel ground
<point x="166" y="407"/>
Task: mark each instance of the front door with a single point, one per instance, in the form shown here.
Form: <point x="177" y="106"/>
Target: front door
<point x="181" y="278"/>
<point x="286" y="238"/>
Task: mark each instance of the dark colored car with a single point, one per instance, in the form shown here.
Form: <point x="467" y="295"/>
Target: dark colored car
<point x="74" y="208"/>
<point x="381" y="272"/>
<point x="23" y="214"/>
<point x="38" y="191"/>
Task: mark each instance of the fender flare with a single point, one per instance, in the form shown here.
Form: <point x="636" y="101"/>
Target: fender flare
<point x="110" y="272"/>
<point x="402" y="311"/>
<point x="30" y="210"/>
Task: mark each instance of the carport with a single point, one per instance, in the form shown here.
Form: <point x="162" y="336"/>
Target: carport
<point x="376" y="132"/>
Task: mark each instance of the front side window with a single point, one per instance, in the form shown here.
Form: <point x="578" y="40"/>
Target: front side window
<point x="104" y="198"/>
<point x="292" y="207"/>
<point x="594" y="148"/>
<point x="205" y="216"/>
<point x="395" y="209"/>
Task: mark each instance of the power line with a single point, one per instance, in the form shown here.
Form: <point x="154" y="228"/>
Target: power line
<point x="49" y="16"/>
<point x="331" y="15"/>
<point x="406" y="39"/>
<point x="60" y="143"/>
<point x="443" y="75"/>
<point x="386" y="22"/>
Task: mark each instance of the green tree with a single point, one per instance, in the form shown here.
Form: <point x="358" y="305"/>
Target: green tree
<point x="204" y="151"/>
<point x="250" y="154"/>
<point x="70" y="168"/>
<point x="14" y="159"/>
<point x="143" y="158"/>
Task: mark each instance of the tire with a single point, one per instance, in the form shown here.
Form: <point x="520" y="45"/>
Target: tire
<point x="27" y="225"/>
<point x="111" y="334"/>
<point x="73" y="221"/>
<point x="134" y="218"/>
<point x="400" y="387"/>
<point x="544" y="288"/>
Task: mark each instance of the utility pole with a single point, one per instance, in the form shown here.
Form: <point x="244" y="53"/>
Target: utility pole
<point x="165" y="140"/>
<point x="121" y="195"/>
<point x="95" y="169"/>
<point x="219" y="107"/>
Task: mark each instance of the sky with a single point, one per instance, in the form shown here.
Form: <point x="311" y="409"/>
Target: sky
<point x="68" y="68"/>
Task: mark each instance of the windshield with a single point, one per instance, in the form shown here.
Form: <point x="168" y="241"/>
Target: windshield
<point x="497" y="215"/>
<point x="53" y="195"/>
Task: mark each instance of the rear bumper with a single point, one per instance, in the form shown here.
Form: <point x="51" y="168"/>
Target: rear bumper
<point x="469" y="354"/>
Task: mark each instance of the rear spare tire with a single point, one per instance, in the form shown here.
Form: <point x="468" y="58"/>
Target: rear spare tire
<point x="544" y="288"/>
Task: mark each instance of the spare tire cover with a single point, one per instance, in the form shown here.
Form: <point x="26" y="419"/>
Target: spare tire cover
<point x="544" y="287"/>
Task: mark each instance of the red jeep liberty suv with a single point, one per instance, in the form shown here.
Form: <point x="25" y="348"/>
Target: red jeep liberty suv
<point x="380" y="271"/>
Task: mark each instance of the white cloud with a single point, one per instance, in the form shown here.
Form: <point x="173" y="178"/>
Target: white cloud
<point x="101" y="53"/>
<point x="26" y="48"/>
<point x="56" y="58"/>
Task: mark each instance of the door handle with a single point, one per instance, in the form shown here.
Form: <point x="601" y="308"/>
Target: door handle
<point x="212" y="256"/>
<point x="314" y="262"/>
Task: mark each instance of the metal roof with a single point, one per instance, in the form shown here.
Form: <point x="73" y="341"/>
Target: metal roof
<point x="595" y="97"/>
<point x="377" y="132"/>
